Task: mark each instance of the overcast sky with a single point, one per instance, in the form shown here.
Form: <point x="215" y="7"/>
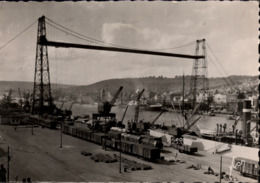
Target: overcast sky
<point x="230" y="29"/>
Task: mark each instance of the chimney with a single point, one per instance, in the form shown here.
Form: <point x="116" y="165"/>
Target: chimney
<point x="240" y="107"/>
<point x="245" y="125"/>
<point x="224" y="127"/>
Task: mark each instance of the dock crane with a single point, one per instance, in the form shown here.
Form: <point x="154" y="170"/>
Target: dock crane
<point x="194" y="112"/>
<point x="124" y="114"/>
<point x="58" y="111"/>
<point x="9" y="96"/>
<point x="68" y="112"/>
<point x="62" y="104"/>
<point x="187" y="126"/>
<point x="7" y="100"/>
<point x="105" y="107"/>
<point x="193" y="123"/>
<point x="137" y="105"/>
<point x="104" y="120"/>
<point x="27" y="104"/>
<point x="162" y="111"/>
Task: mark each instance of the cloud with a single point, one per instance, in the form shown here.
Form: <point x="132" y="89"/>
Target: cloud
<point x="229" y="28"/>
<point x="129" y="35"/>
<point x="244" y="53"/>
<point x="122" y="34"/>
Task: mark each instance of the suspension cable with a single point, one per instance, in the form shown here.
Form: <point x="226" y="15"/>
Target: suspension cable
<point x="232" y="83"/>
<point x="226" y="81"/>
<point x="18" y="35"/>
<point x="89" y="39"/>
<point x="86" y="37"/>
<point x="70" y="33"/>
<point x="188" y="44"/>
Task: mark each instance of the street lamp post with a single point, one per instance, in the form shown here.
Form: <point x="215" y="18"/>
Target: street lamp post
<point x="220" y="175"/>
<point x="8" y="159"/>
<point x="61" y="124"/>
<point x="32" y="128"/>
<point x="120" y="156"/>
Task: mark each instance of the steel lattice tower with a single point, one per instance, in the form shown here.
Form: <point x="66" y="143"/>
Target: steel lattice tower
<point x="42" y="99"/>
<point x="199" y="79"/>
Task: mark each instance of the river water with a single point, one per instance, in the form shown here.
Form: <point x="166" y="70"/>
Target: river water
<point x="167" y="118"/>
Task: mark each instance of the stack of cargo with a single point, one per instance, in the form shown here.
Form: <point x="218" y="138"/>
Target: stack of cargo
<point x="133" y="165"/>
<point x="106" y="158"/>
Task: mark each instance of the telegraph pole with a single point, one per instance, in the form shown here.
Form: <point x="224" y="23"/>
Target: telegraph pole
<point x="8" y="159"/>
<point x="120" y="156"/>
<point x="32" y="128"/>
<point x="183" y="86"/>
<point x="220" y="175"/>
<point x="61" y="134"/>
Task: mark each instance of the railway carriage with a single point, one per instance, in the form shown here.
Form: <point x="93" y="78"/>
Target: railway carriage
<point x="247" y="167"/>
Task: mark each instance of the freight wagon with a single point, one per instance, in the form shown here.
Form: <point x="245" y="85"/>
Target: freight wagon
<point x="143" y="139"/>
<point x="247" y="167"/>
<point x="131" y="138"/>
<point x="150" y="140"/>
<point x="44" y="122"/>
<point x="74" y="132"/>
<point x="127" y="147"/>
<point x="185" y="148"/>
<point x="98" y="137"/>
<point x="114" y="134"/>
<point x="147" y="152"/>
<point x="141" y="150"/>
<point x="129" y="144"/>
<point x="84" y="134"/>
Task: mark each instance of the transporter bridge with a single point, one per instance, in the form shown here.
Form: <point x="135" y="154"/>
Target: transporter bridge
<point x="42" y="98"/>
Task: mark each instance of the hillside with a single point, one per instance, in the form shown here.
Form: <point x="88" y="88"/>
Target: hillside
<point x="91" y="93"/>
<point x="5" y="86"/>
<point x="160" y="84"/>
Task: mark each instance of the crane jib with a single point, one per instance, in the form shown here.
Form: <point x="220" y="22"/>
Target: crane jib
<point x="44" y="41"/>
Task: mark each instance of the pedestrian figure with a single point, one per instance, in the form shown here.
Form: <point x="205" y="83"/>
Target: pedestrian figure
<point x="210" y="171"/>
<point x="16" y="177"/>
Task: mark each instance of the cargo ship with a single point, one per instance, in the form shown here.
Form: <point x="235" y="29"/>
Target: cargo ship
<point x="234" y="142"/>
<point x="156" y="107"/>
